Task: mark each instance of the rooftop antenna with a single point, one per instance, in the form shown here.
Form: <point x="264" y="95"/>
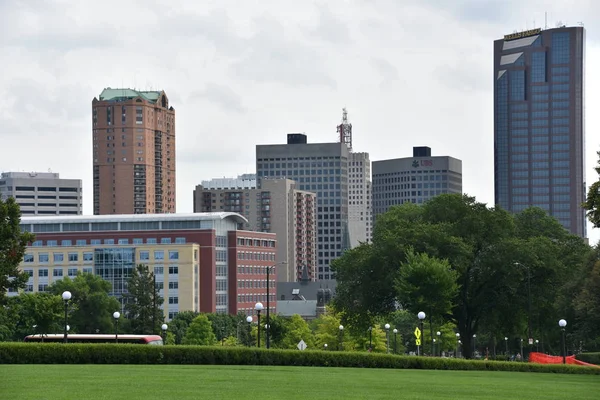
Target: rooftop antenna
<point x="344" y="130"/>
<point x="545" y="19"/>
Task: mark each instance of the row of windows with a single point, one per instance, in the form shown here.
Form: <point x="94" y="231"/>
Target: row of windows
<point x="94" y="242"/>
<point x="242" y="255"/>
<point x="159" y="255"/>
<point x="160" y="270"/>
<point x="58" y="257"/>
<point x="255" y="242"/>
<point x="58" y="272"/>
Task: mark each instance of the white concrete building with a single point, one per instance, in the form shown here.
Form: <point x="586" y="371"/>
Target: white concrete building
<point x="42" y="193"/>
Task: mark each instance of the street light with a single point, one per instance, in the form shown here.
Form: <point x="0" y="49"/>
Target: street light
<point x="341" y="328"/>
<point x="370" y="338"/>
<point x="164" y="328"/>
<point x="474" y="344"/>
<point x="537" y="345"/>
<point x="249" y="321"/>
<point x="66" y="296"/>
<point x="395" y="348"/>
<point x="421" y="316"/>
<point x="258" y="307"/>
<point x="268" y="341"/>
<point x="563" y="323"/>
<point x="457" y="343"/>
<point x="116" y="316"/>
<point x="434" y="350"/>
<point x="325" y="347"/>
<point x="438" y="333"/>
<point x="506" y="344"/>
<point x="387" y="336"/>
<point x="528" y="302"/>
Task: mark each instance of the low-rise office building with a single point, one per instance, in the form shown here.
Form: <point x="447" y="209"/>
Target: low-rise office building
<point x="201" y="261"/>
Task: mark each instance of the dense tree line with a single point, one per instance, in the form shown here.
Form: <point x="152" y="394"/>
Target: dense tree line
<point x="491" y="273"/>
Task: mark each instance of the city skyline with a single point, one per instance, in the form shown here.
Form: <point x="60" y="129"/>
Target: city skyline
<point x="229" y="99"/>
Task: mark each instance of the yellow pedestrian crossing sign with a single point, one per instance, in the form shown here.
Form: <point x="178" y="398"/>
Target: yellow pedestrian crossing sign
<point x="418" y="342"/>
<point x="417" y="333"/>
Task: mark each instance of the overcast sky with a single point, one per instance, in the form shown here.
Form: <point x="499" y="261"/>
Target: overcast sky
<point x="241" y="73"/>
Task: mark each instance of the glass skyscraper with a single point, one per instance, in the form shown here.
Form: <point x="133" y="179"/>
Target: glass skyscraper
<point x="539" y="157"/>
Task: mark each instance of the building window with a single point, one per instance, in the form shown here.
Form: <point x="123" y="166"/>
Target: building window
<point x="517" y="85"/>
<point x="174" y="300"/>
<point x="28" y="258"/>
<point x="159" y="255"/>
<point x="73" y="257"/>
<point x="58" y="257"/>
<point x="57" y="272"/>
<point x="43" y="272"/>
<point x="560" y="47"/>
<point x="538" y="67"/>
<point x="180" y="240"/>
<point x="173" y="285"/>
<point x="88" y="257"/>
<point x="173" y="255"/>
<point x="158" y="270"/>
<point x="88" y="270"/>
<point x="72" y="272"/>
<point x="144" y="255"/>
<point x="173" y="270"/>
<point x="43" y="257"/>
<point x="165" y="240"/>
<point x="123" y="241"/>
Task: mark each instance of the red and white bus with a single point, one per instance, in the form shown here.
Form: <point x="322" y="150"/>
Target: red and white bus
<point x="94" y="338"/>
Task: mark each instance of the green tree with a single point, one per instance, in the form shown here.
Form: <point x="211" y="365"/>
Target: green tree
<point x="592" y="203"/>
<point x="37" y="313"/>
<point x="12" y="247"/>
<point x="180" y="323"/>
<point x="200" y="332"/>
<point x="427" y="284"/>
<point x="297" y="329"/>
<point x="142" y="302"/>
<point x="483" y="246"/>
<point x="92" y="306"/>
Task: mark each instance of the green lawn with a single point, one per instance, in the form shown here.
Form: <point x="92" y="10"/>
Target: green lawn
<point x="293" y="383"/>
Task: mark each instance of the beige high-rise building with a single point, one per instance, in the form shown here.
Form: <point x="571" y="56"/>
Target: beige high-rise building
<point x="134" y="152"/>
<point x="278" y="207"/>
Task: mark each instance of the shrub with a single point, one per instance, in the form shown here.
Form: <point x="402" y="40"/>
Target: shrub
<point x="54" y="353"/>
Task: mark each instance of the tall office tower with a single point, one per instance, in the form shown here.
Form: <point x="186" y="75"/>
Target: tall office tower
<point x="134" y="152"/>
<point x="414" y="179"/>
<point x="321" y="168"/>
<point x="359" y="187"/>
<point x="278" y="207"/>
<point x="539" y="123"/>
<point x="359" y="198"/>
<point x="42" y="193"/>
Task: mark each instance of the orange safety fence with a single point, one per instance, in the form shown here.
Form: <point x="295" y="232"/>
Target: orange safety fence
<point x="542" y="358"/>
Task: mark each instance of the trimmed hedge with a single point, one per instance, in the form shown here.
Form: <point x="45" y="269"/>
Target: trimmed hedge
<point x="50" y="353"/>
<point x="592" y="358"/>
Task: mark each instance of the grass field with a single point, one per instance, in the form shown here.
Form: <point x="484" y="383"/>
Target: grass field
<point x="294" y="383"/>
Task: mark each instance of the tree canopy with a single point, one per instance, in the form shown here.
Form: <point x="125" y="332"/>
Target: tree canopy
<point x="142" y="302"/>
<point x="13" y="243"/>
<point x="92" y="306"/>
<point x="485" y="248"/>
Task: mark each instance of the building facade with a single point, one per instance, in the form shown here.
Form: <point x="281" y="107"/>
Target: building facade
<point x="277" y="207"/>
<point x="42" y="193"/>
<point x="414" y="179"/>
<point x="199" y="260"/>
<point x="360" y="209"/>
<point x="539" y="149"/>
<point x="321" y="168"/>
<point x="134" y="152"/>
